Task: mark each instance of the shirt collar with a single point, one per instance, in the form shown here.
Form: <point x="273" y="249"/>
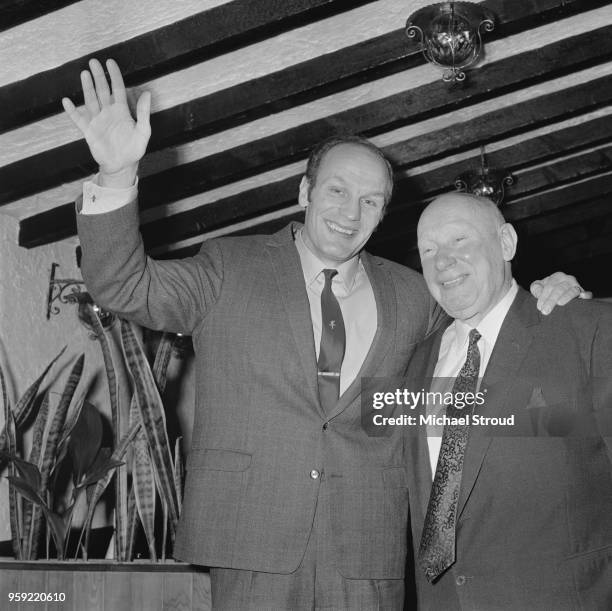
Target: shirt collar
<point x="312" y="266"/>
<point x="490" y="326"/>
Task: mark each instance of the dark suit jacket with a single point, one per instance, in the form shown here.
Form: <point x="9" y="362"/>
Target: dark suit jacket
<point x="534" y="527"/>
<point x="258" y="432"/>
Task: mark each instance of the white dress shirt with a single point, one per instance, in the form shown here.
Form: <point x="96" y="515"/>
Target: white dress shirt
<point x="351" y="285"/>
<point x="354" y="293"/>
<point x="452" y="356"/>
<point x="98" y="200"/>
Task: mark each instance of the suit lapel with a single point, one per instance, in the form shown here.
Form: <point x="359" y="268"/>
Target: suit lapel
<point x="510" y="350"/>
<point x="292" y="290"/>
<point x="386" y="321"/>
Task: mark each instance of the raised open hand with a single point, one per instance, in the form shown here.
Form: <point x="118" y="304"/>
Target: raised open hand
<point x="115" y="140"/>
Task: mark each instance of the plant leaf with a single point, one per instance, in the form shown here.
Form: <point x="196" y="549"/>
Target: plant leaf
<point x="111" y="377"/>
<point x="62" y="449"/>
<point x="103" y="456"/>
<point x="132" y="523"/>
<point x="5" y="400"/>
<point x="26" y="404"/>
<point x="178" y="473"/>
<point x="13" y="500"/>
<point x="143" y="484"/>
<point x="71" y="419"/>
<point x="87" y="312"/>
<point x="31" y="515"/>
<point x="165" y="528"/>
<point x="85" y="441"/>
<point x="39" y="431"/>
<point x="49" y="454"/>
<point x="153" y="417"/>
<point x="162" y="360"/>
<point x="100" y="487"/>
<point x="26" y="490"/>
<point x="59" y="528"/>
<point x="100" y="471"/>
<point x="28" y="472"/>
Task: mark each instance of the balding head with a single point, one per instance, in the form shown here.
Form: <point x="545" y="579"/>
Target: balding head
<point x="466" y="248"/>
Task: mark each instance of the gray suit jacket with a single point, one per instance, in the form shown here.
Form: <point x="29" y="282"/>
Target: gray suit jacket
<point x="258" y="432"/>
<point x="534" y="527"/>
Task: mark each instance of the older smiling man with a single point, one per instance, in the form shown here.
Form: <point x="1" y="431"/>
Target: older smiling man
<point x="519" y="518"/>
<point x="286" y="496"/>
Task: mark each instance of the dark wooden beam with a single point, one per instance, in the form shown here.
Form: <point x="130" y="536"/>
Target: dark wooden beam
<point x="14" y="12"/>
<point x="563" y="171"/>
<point x="227" y="108"/>
<point x="265" y="228"/>
<point x="546" y="238"/>
<point x="400" y="225"/>
<point x="410" y="191"/>
<point x="413" y="193"/>
<point x="541" y="253"/>
<point x="582" y="200"/>
<point x="557" y="198"/>
<point x="266" y="198"/>
<point x="230" y="26"/>
<point x="246" y="160"/>
<point x="189" y="41"/>
<point x="578" y="214"/>
<point x="529" y="151"/>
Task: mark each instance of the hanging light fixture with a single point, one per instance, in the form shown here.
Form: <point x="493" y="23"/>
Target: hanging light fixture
<point x="449" y="35"/>
<point x="485" y="182"/>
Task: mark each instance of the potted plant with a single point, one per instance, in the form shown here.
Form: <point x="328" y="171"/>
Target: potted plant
<point x="69" y="466"/>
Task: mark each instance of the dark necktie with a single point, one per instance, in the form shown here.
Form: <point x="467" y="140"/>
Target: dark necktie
<point x="333" y="341"/>
<point x="437" y="549"/>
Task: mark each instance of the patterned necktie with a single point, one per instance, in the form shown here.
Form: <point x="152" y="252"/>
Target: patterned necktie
<point x="437" y="549"/>
<point x="333" y="341"/>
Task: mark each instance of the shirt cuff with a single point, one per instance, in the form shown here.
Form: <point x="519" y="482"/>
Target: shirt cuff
<point x="98" y="200"/>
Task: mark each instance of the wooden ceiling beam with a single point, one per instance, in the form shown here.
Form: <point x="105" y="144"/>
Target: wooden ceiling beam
<point x="559" y="197"/>
<point x="237" y="23"/>
<point x="386" y="239"/>
<point x="245" y="102"/>
<point x="411" y="190"/>
<point x="569" y="202"/>
<point x="193" y="39"/>
<point x="573" y="215"/>
<point x="563" y="171"/>
<point x="14" y="12"/>
<point x="195" y="177"/>
<point x="279" y="195"/>
<point x="415" y="185"/>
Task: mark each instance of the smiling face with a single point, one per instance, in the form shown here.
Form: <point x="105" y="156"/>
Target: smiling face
<point x="345" y="203"/>
<point x="466" y="249"/>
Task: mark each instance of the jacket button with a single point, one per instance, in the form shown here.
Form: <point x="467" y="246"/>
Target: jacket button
<point x="314" y="474"/>
<point x="325" y="425"/>
<point x="460" y="580"/>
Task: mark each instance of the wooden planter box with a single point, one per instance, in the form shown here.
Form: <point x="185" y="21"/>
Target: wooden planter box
<point x="104" y="585"/>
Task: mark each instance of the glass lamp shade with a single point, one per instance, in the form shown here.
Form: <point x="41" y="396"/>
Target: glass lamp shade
<point x="449" y="35"/>
<point x="489" y="183"/>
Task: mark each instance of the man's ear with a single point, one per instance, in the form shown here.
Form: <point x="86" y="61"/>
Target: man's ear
<point x="303" y="198"/>
<point x="509" y="240"/>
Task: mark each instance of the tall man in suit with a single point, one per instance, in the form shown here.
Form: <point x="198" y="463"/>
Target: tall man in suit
<point x="285" y="495"/>
<point x="514" y="513"/>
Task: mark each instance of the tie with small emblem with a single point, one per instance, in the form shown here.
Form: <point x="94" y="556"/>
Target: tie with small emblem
<point x="437" y="549"/>
<point x="333" y="342"/>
